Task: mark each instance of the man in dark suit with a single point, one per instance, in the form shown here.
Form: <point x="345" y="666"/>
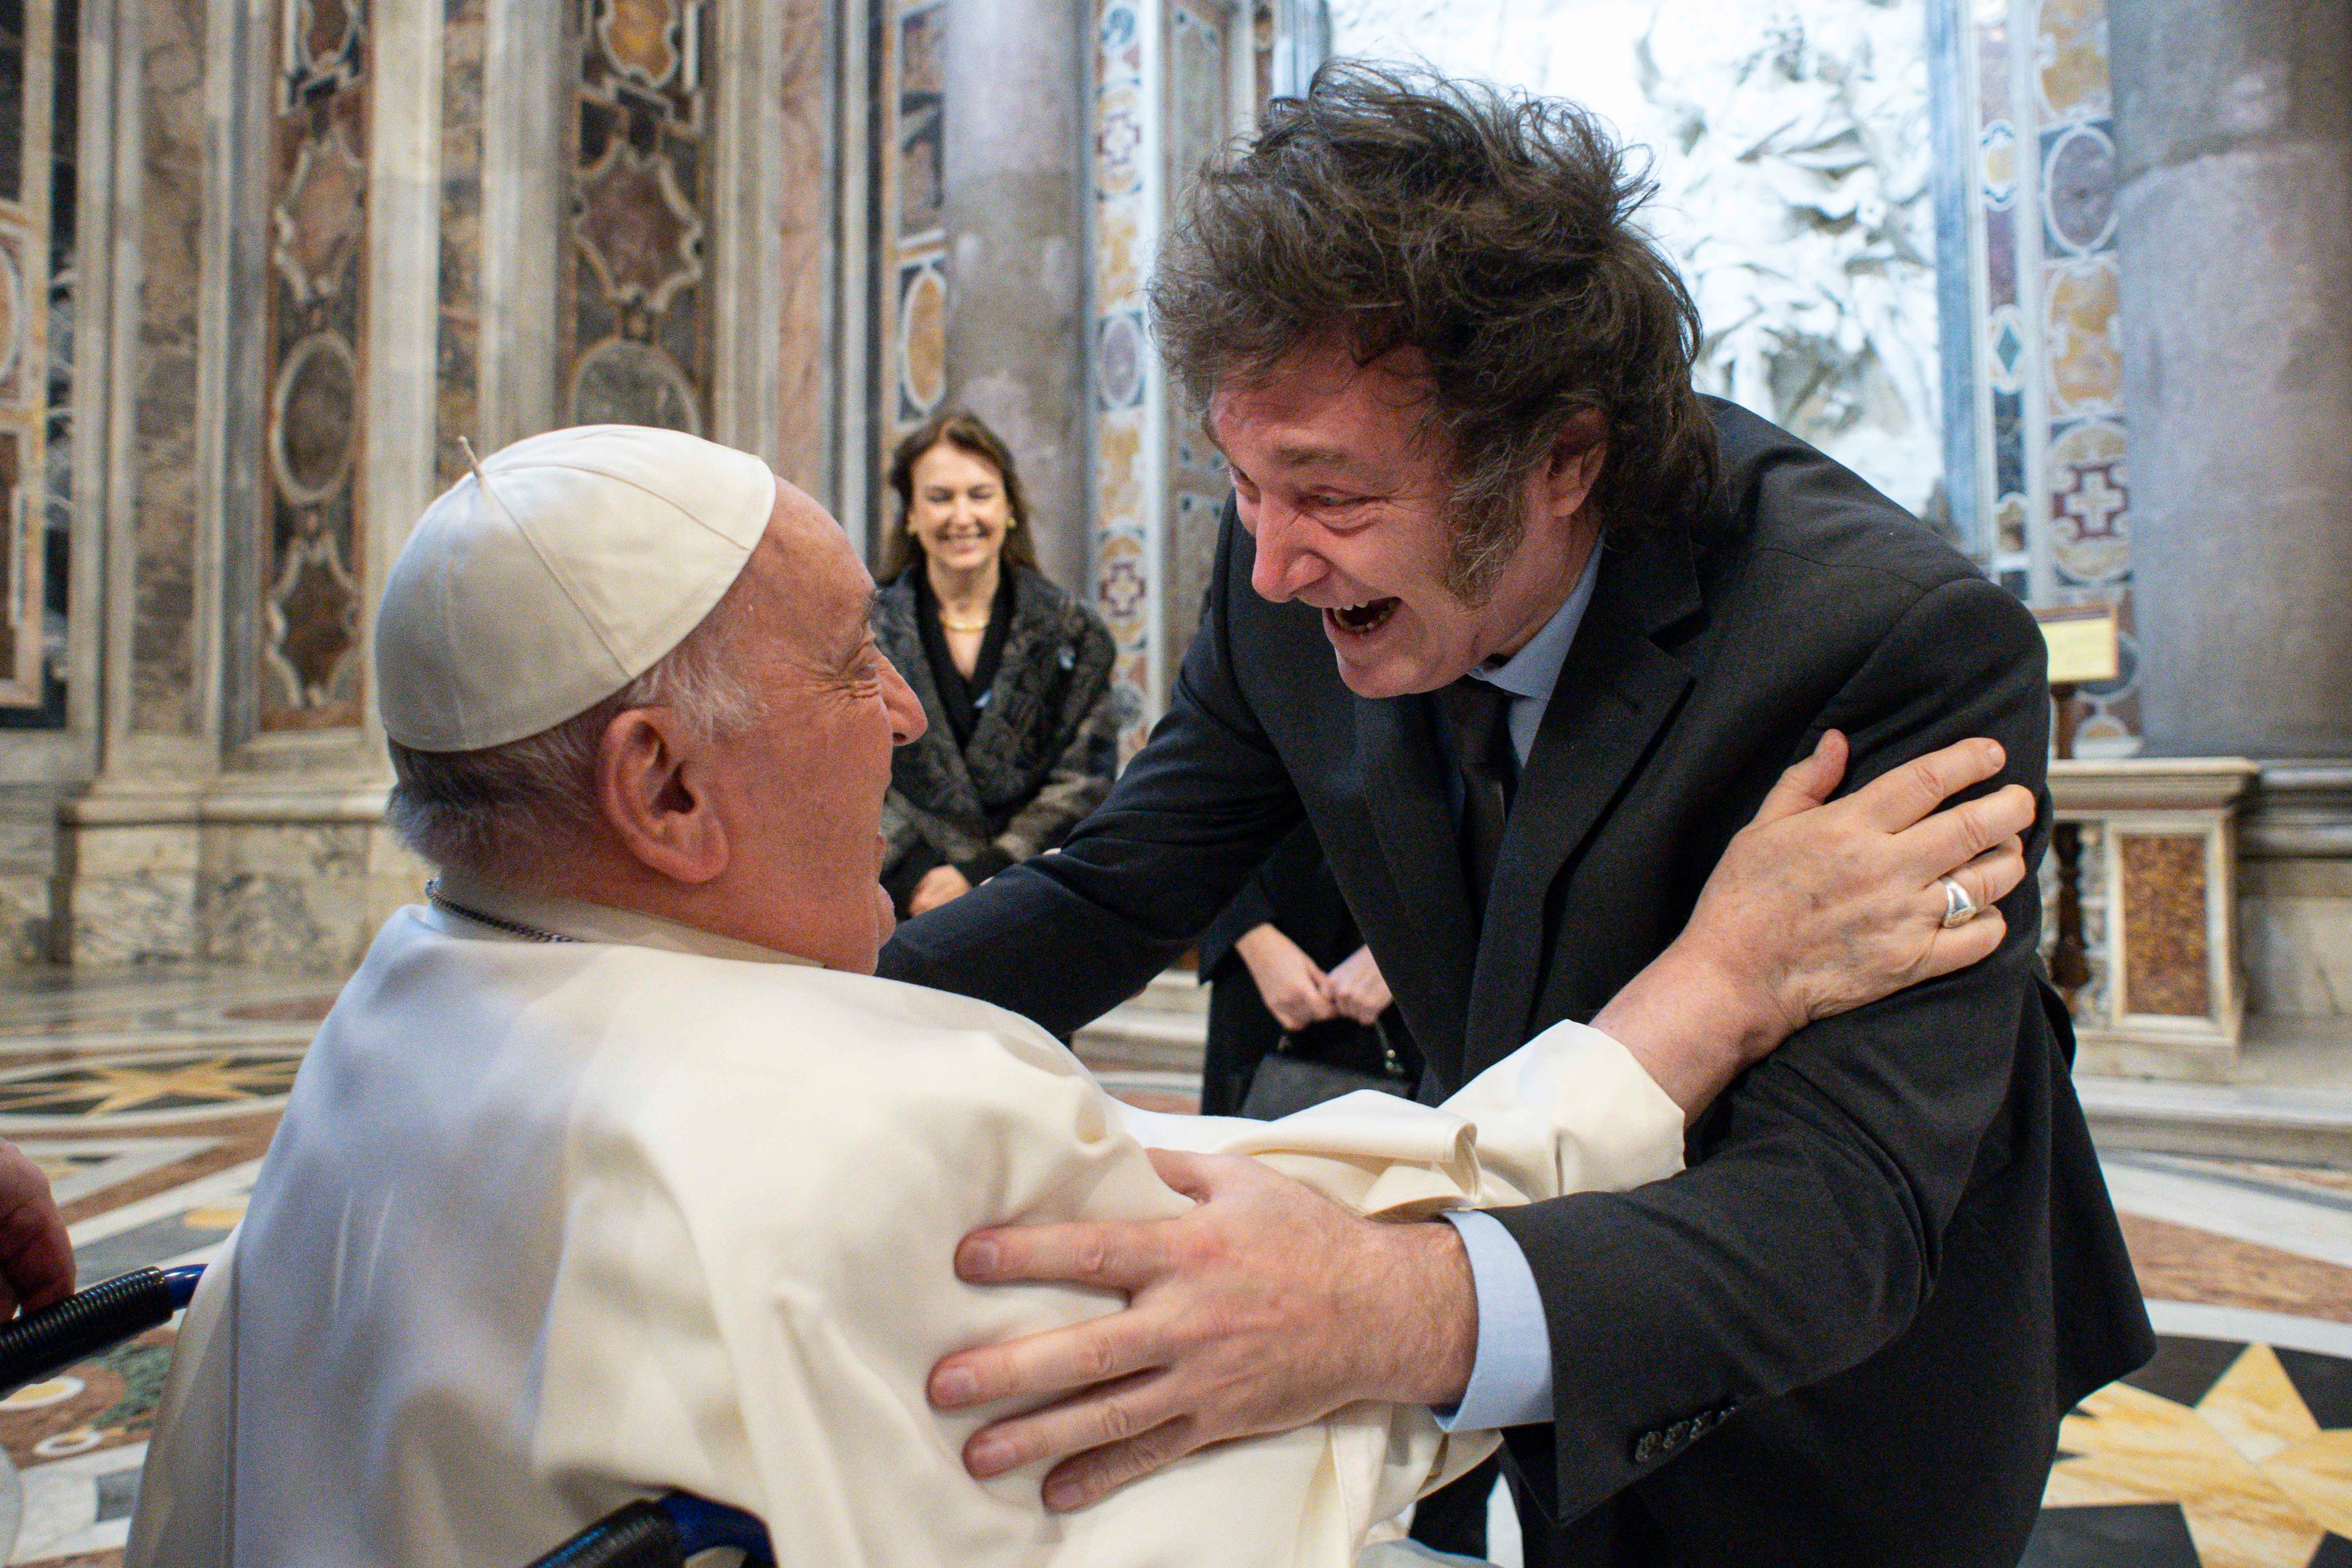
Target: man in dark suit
<point x="1526" y="631"/>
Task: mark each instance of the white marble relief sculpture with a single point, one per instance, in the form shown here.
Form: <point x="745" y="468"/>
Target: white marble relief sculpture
<point x="1792" y="149"/>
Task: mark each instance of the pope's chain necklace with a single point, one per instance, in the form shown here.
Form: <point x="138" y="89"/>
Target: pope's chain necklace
<point x="513" y="928"/>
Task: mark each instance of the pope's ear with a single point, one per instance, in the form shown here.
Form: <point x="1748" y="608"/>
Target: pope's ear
<point x="650" y="792"/>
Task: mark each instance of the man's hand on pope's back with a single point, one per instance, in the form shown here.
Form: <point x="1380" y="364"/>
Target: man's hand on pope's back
<point x="1264" y="1309"/>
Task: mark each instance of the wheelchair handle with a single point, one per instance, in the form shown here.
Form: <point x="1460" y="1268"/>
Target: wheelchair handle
<point x="662" y="1534"/>
<point x="83" y="1324"/>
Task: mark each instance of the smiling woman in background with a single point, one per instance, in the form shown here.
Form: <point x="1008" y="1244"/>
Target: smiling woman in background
<point x="1014" y="674"/>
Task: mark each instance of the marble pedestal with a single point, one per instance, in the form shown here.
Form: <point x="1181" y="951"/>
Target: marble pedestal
<point x="2166" y="997"/>
<point x="295" y="881"/>
<point x="2295" y="893"/>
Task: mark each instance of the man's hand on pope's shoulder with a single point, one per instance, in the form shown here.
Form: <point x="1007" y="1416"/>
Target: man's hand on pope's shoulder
<point x="1265" y="1308"/>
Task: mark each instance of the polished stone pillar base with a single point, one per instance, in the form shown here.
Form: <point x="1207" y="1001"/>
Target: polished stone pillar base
<point x="2166" y="997"/>
<point x="2296" y="892"/>
<point x="293" y="881"/>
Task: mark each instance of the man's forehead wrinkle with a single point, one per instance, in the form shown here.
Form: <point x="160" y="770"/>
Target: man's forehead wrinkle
<point x="1315" y="456"/>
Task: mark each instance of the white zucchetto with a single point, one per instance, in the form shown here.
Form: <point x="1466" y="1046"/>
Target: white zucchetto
<point x="593" y="554"/>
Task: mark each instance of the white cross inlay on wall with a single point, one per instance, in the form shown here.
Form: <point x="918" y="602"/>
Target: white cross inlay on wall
<point x="2095" y="503"/>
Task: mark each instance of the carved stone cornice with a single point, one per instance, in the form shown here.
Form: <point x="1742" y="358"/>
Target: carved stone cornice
<point x="2299" y="810"/>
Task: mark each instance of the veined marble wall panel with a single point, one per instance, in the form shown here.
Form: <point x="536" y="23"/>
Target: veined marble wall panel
<point x="804" y="430"/>
<point x="457" y="368"/>
<point x="637" y="320"/>
<point x="2006" y="335"/>
<point x="911" y="290"/>
<point x="309" y="675"/>
<point x="297" y="884"/>
<point x="25" y="358"/>
<point x="165" y="696"/>
<point x="38" y="121"/>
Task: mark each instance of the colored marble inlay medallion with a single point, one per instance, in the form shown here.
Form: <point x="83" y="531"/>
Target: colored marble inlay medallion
<point x="912" y="272"/>
<point x="1128" y="434"/>
<point x="313" y="437"/>
<point x="37" y="127"/>
<point x="457" y="346"/>
<point x="2052" y="438"/>
<point x="637" y="320"/>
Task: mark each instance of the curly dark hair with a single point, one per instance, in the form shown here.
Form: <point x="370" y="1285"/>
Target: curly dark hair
<point x="1494" y="233"/>
<point x="969" y="433"/>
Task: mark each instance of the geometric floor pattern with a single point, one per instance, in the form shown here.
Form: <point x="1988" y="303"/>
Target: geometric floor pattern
<point x="2214" y="1453"/>
<point x="150" y="1096"/>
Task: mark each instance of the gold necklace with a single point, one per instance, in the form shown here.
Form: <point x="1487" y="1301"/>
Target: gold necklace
<point x="955" y="625"/>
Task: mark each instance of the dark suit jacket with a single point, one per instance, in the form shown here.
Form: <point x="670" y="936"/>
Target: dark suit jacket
<point x="1846" y="1333"/>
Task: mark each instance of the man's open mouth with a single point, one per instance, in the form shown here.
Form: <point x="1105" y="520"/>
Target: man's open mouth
<point x="1360" y="620"/>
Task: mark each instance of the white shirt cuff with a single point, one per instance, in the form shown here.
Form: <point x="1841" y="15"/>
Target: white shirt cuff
<point x="1510" y="1378"/>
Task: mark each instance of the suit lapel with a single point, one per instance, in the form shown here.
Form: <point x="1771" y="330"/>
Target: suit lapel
<point x="1402" y="783"/>
<point x="1616" y="688"/>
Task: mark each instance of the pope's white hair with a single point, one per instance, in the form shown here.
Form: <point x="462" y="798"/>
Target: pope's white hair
<point x="529" y="800"/>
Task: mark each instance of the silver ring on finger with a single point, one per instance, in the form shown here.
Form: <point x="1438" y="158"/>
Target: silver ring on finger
<point x="1958" y="908"/>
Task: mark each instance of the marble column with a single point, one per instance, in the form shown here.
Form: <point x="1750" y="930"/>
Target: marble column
<point x="2233" y="120"/>
<point x="125" y="880"/>
<point x="1014" y="187"/>
<point x="523" y="87"/>
<point x="208" y="834"/>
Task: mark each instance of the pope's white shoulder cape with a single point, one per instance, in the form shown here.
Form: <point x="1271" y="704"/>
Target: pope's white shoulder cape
<point x="548" y="1226"/>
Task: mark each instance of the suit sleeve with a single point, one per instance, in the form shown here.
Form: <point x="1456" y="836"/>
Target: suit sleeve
<point x="1293" y="879"/>
<point x="1807" y="1233"/>
<point x="1062" y="938"/>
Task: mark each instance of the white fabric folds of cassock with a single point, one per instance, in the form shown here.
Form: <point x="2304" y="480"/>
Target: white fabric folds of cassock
<point x="548" y="1226"/>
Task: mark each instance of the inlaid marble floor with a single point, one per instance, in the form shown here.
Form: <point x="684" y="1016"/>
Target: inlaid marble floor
<point x="150" y="1098"/>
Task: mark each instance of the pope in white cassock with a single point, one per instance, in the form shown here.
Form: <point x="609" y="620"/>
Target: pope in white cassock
<point x="615" y="1170"/>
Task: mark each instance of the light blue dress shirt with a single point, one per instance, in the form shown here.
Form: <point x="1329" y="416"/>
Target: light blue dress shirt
<point x="1510" y="1380"/>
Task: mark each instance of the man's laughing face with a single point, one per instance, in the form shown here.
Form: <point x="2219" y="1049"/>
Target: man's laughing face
<point x="1347" y="490"/>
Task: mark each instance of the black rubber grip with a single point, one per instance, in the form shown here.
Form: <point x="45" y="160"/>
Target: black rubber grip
<point x="83" y="1325"/>
<point x="638" y="1536"/>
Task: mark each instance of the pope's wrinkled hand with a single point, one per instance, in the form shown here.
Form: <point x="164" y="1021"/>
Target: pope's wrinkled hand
<point x="1265" y="1308"/>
